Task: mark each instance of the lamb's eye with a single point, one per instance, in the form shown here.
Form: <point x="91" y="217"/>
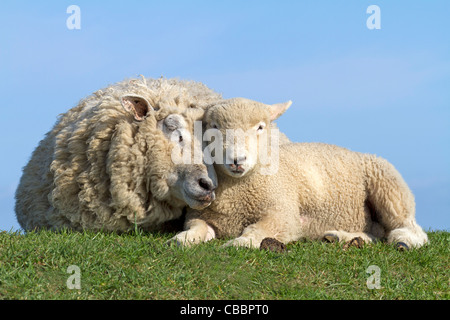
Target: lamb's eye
<point x="180" y="139"/>
<point x="214" y="126"/>
<point x="261" y="127"/>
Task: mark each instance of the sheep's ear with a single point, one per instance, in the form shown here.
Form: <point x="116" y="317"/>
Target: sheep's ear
<point x="278" y="109"/>
<point x="136" y="105"/>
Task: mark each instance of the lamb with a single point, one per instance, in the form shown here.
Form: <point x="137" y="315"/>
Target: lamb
<point x="320" y="191"/>
<point x="107" y="164"/>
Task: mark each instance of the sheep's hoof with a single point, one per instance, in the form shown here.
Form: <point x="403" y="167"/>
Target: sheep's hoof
<point x="401" y="246"/>
<point x="272" y="244"/>
<point x="329" y="237"/>
<point x="357" y="242"/>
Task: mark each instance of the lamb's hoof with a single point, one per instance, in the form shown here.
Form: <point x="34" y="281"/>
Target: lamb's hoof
<point x="272" y="244"/>
<point x="357" y="242"/>
<point x="401" y="246"/>
<point x="173" y="243"/>
<point x="330" y="237"/>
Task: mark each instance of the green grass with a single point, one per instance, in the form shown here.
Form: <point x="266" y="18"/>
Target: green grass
<point x="141" y="266"/>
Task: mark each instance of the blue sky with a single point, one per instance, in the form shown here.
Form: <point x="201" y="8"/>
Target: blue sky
<point x="383" y="91"/>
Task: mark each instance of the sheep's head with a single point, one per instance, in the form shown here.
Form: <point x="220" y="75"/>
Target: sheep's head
<point x="173" y="175"/>
<point x="191" y="180"/>
<point x="245" y="127"/>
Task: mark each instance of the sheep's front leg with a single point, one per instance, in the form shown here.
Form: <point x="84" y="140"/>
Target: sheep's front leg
<point x="197" y="231"/>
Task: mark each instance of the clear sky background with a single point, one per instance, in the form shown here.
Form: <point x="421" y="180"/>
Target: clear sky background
<point x="383" y="91"/>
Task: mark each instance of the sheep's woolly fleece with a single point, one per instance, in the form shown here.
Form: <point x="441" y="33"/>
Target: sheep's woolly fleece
<point x="100" y="169"/>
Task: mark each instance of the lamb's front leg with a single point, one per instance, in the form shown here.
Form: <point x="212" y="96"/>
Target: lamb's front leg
<point x="251" y="237"/>
<point x="248" y="239"/>
<point x="197" y="231"/>
<point x="285" y="226"/>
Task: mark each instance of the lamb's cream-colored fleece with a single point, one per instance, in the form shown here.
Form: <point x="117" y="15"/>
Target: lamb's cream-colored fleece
<point x="319" y="190"/>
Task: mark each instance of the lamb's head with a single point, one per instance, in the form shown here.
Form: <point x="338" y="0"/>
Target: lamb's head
<point x="172" y="175"/>
<point x="245" y="127"/>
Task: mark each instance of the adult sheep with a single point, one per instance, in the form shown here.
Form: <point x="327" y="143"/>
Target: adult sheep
<point x="107" y="163"/>
<point x="318" y="191"/>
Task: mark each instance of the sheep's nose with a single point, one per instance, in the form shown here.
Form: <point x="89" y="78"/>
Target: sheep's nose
<point x="206" y="184"/>
<point x="239" y="160"/>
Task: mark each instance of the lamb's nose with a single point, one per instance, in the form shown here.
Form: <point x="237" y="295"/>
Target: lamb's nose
<point x="239" y="160"/>
<point x="206" y="184"/>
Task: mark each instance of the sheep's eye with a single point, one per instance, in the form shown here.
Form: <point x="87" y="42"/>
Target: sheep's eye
<point x="180" y="139"/>
<point x="260" y="127"/>
<point x="214" y="126"/>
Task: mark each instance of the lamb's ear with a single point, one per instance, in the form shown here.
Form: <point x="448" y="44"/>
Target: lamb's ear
<point x="278" y="109"/>
<point x="195" y="113"/>
<point x="136" y="105"/>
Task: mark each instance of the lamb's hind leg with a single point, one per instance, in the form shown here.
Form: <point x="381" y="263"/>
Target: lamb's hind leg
<point x="394" y="204"/>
